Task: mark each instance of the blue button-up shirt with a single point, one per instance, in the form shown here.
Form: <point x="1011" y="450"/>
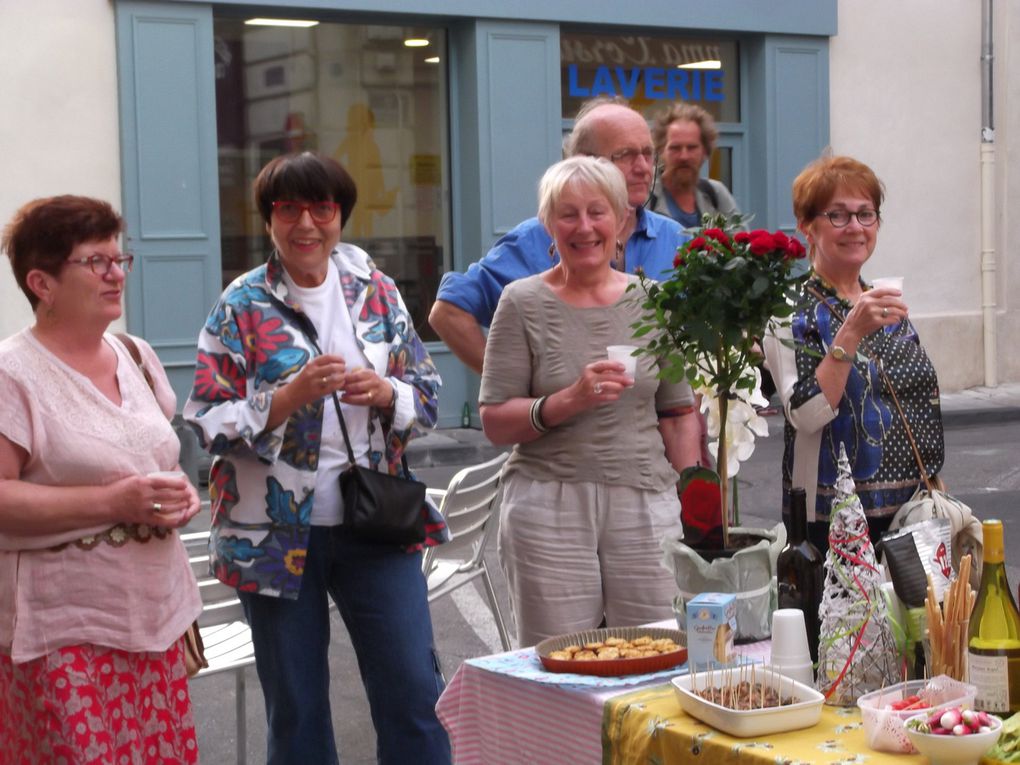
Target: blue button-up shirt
<point x="525" y="251"/>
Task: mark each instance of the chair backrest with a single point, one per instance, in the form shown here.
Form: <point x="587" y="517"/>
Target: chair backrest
<point x="468" y="505"/>
<point x="220" y="604"/>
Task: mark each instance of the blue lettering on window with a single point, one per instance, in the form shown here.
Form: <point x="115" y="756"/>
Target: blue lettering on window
<point x="603" y="85"/>
<point x="655" y="83"/>
<point x="628" y="84"/>
<point x="676" y="85"/>
<point x="714" y="85"/>
<point x="575" y="90"/>
<point x="659" y="84"/>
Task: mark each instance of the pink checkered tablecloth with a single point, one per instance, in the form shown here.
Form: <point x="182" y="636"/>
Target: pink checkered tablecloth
<point x="507" y="709"/>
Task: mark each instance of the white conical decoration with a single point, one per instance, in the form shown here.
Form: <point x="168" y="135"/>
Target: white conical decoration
<point x="857" y="651"/>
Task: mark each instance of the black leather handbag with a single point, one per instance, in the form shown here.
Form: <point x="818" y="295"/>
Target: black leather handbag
<point x="379" y="507"/>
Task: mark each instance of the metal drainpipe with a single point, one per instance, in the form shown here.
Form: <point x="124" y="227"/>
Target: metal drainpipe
<point x="988" y="290"/>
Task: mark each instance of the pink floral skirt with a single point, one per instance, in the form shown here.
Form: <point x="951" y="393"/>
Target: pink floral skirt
<point x="92" y="704"/>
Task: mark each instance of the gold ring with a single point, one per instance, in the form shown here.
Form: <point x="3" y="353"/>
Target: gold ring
<point x="598" y="389"/>
<point x="370" y="394"/>
<point x="325" y="380"/>
<point x="157" y="507"/>
<point x="885" y="312"/>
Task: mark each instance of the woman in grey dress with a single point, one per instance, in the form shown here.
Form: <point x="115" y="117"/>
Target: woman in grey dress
<point x="590" y="488"/>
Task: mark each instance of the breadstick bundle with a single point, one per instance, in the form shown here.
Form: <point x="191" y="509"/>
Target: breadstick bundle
<point x="948" y="625"/>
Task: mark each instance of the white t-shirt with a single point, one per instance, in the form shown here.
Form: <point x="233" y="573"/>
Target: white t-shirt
<point x="325" y="307"/>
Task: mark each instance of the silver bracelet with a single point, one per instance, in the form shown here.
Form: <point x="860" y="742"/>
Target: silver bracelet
<point x="536" y="415"/>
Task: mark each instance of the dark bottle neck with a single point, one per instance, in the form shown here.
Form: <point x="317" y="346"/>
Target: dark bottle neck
<point x="798" y="516"/>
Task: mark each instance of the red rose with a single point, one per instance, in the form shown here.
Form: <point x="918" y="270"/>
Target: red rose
<point x="697" y="243"/>
<point x="762" y="243"/>
<point x="718" y="234"/>
<point x="794" y="250"/>
<point x="781" y="240"/>
<point x="678" y="261"/>
<point x="742" y="237"/>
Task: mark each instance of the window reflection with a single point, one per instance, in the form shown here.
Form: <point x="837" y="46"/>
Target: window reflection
<point x="361" y="95"/>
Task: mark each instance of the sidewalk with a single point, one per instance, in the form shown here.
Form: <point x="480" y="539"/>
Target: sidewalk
<point x="467" y="446"/>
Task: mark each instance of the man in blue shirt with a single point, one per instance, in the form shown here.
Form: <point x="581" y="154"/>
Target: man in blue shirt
<point x="605" y="127"/>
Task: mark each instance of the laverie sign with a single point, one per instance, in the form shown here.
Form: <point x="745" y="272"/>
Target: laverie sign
<point x="653" y="83"/>
<point x="641" y="67"/>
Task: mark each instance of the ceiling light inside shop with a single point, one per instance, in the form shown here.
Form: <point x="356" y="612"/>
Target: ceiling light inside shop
<point x="432" y="60"/>
<point x="281" y="23"/>
<point x="706" y="64"/>
<point x="416" y="42"/>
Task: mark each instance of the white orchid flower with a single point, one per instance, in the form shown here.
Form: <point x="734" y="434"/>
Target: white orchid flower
<point x="743" y="423"/>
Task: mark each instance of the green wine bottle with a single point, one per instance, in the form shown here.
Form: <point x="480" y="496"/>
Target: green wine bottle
<point x="465" y="416"/>
<point x="993" y="646"/>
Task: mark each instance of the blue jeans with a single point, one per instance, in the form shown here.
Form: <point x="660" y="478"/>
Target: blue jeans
<point x="381" y="595"/>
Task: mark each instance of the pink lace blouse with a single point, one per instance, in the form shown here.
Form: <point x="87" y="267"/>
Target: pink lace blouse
<point x="128" y="587"/>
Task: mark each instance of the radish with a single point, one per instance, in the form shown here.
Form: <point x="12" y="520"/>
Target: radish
<point x="953" y="722"/>
<point x="950" y="719"/>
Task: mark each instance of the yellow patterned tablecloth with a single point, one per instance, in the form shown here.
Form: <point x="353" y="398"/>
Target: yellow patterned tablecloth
<point x="648" y="727"/>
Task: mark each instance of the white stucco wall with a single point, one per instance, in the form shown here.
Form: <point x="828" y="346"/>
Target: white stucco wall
<point x="59" y="134"/>
<point x="906" y="99"/>
<point x="1007" y="123"/>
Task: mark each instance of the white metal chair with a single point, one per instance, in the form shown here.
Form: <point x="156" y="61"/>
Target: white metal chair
<point x="226" y="634"/>
<point x="467" y="505"/>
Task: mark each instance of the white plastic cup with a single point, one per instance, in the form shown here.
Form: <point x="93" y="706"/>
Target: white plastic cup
<point x="890" y="282"/>
<point x="789" y="638"/>
<point x="179" y="475"/>
<point x="802" y="672"/>
<point x="622" y="353"/>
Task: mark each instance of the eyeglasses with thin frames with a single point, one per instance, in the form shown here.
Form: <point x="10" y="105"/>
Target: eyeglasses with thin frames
<point x="290" y="212"/>
<point x="100" y="265"/>
<point x="630" y="156"/>
<point x="841" y="218"/>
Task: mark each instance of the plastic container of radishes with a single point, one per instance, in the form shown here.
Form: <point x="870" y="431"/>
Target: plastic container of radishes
<point x="884" y="726"/>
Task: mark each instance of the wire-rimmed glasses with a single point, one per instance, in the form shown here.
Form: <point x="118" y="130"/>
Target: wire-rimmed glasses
<point x="100" y="265"/>
<point x="630" y="156"/>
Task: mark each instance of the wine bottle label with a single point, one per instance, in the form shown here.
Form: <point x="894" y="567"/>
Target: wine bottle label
<point x="991" y="676"/>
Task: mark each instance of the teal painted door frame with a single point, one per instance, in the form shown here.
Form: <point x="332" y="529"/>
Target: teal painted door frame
<point x="169" y="175"/>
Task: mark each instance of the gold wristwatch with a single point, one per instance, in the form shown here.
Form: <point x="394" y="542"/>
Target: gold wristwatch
<point x="838" y="352"/>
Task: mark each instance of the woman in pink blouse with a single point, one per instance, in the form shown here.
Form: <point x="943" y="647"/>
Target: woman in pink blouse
<point x="95" y="586"/>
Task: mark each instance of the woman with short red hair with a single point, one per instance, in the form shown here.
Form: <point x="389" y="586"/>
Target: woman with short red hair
<point x="95" y="586"/>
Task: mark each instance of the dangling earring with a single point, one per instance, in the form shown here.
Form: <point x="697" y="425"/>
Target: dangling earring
<point x="620" y="262"/>
<point x="552" y="251"/>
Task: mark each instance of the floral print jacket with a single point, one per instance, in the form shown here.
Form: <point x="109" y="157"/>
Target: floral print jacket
<point x="262" y="482"/>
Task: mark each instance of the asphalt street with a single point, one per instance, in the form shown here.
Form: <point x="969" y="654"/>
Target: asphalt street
<point x="981" y="469"/>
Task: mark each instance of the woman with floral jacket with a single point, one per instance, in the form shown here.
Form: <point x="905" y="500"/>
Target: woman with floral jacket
<point x="317" y="318"/>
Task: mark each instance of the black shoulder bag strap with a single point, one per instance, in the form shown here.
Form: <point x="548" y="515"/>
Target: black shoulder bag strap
<point x="708" y="190"/>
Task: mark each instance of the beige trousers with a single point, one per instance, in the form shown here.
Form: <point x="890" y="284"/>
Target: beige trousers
<point x="574" y="553"/>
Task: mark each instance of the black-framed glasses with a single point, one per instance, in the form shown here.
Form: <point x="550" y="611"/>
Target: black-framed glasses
<point x="290" y="212"/>
<point x="841" y="218"/>
<point x="630" y="156"/>
<point x="101" y="265"/>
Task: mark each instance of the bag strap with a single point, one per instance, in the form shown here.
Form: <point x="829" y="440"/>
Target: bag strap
<point x="889" y="386"/>
<point x="136" y="355"/>
<point x="706" y="188"/>
<point x="343" y="424"/>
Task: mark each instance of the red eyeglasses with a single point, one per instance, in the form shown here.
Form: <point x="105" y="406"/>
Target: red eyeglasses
<point x="290" y="212"/>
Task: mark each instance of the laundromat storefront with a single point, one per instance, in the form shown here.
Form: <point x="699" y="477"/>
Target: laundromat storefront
<point x="446" y="123"/>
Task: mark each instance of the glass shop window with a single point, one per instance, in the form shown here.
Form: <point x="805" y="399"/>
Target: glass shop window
<point x="653" y="71"/>
<point x="374" y="97"/>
